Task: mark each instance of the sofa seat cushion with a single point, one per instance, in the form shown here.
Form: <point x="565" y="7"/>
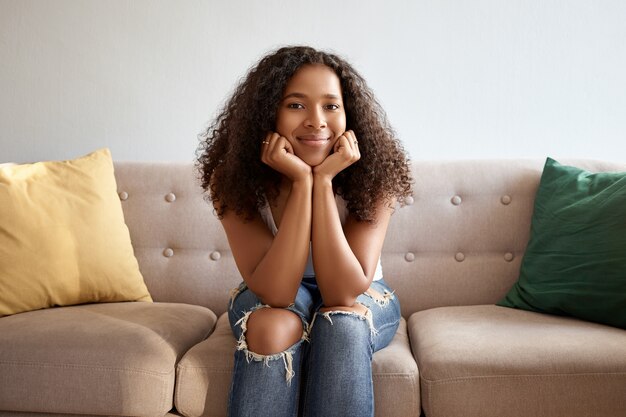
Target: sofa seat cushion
<point x="494" y="361"/>
<point x="105" y="359"/>
<point x="204" y="375"/>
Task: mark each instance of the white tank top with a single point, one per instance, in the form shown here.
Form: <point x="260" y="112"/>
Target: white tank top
<point x="268" y="218"/>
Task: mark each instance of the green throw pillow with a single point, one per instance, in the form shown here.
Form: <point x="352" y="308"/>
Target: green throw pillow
<point x="575" y="261"/>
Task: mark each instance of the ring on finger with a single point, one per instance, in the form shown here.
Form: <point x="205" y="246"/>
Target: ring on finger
<point x="265" y="142"/>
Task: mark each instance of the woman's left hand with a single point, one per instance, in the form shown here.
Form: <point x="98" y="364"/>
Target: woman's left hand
<point x="345" y="153"/>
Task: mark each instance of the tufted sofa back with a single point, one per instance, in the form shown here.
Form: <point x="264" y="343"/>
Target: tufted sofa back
<point x="458" y="241"/>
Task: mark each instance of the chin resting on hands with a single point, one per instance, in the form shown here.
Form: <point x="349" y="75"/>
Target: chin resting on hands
<point x="345" y="153"/>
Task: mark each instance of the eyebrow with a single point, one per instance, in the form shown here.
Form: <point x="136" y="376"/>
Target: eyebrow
<point x="301" y="95"/>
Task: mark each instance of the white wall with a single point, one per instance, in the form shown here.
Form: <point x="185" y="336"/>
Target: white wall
<point x="459" y="79"/>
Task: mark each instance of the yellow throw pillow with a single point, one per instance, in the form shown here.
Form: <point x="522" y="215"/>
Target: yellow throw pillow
<point x="63" y="239"/>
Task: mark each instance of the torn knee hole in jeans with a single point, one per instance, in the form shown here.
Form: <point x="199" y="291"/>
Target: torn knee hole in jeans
<point x="380" y="299"/>
<point x="366" y="317"/>
<point x="286" y="356"/>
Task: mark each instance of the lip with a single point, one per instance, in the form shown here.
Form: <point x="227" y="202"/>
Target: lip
<point x="313" y="140"/>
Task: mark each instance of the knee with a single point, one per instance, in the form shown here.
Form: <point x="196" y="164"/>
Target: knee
<point x="272" y="330"/>
<point x="345" y="322"/>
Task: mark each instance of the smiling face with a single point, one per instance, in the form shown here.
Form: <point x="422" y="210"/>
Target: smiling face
<point x="311" y="114"/>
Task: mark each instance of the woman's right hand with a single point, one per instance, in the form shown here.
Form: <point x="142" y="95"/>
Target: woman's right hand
<point x="277" y="152"/>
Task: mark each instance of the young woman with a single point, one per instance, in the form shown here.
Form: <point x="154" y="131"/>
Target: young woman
<point x="304" y="172"/>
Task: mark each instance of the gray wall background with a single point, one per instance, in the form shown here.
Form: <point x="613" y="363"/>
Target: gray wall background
<point x="459" y="79"/>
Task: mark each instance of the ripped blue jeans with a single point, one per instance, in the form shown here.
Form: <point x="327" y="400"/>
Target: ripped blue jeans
<point x="328" y="372"/>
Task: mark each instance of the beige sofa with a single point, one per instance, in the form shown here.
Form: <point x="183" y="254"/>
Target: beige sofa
<point x="450" y="254"/>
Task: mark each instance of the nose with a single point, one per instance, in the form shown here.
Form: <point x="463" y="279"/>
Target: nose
<point x="315" y="119"/>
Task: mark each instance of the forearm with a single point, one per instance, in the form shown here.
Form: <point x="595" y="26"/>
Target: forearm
<point x="339" y="274"/>
<point x="277" y="277"/>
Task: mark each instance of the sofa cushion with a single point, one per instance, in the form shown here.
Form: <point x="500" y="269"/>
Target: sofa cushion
<point x="488" y="361"/>
<point x="204" y="375"/>
<point x="575" y="262"/>
<point x="105" y="359"/>
<point x="63" y="239"/>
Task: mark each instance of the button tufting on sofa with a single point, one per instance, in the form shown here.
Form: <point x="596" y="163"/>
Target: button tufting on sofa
<point x="476" y="358"/>
<point x="170" y="198"/>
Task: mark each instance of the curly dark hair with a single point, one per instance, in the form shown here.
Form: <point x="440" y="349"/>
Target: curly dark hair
<point x="229" y="162"/>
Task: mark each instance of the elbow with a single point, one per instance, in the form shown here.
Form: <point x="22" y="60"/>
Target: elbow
<point x="344" y="295"/>
<point x="277" y="302"/>
<point x="347" y="299"/>
<point x="275" y="299"/>
<point x="363" y="286"/>
<point x="340" y="302"/>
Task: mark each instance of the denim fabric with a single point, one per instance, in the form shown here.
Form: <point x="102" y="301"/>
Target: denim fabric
<point x="327" y="373"/>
